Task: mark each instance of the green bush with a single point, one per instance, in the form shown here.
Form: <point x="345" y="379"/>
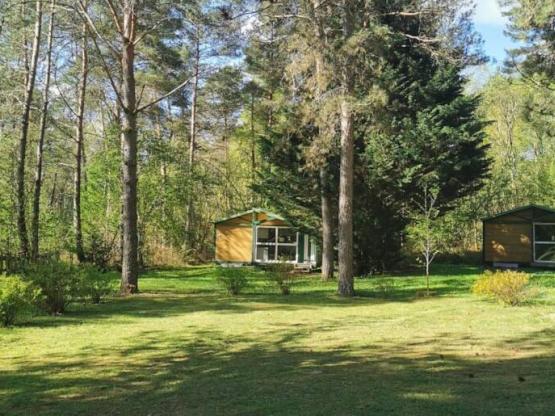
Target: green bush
<point x="281" y="274"/>
<point x="508" y="287"/>
<point x="16" y="296"/>
<point x="59" y="284"/>
<point x="233" y="279"/>
<point x="95" y="284"/>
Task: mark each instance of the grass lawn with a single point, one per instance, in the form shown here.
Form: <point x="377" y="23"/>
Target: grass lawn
<point x="183" y="347"/>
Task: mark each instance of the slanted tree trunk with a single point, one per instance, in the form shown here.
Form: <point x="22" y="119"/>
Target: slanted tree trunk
<point x="79" y="140"/>
<point x="193" y="138"/>
<point x="129" y="133"/>
<point x="346" y="283"/>
<point x="22" y="151"/>
<point x="40" y="145"/>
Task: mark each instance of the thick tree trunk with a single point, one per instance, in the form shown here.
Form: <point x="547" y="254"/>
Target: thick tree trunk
<point x="193" y="140"/>
<point x="22" y="151"/>
<point x="79" y="151"/>
<point x="130" y="266"/>
<point x="346" y="283"/>
<point x="327" y="227"/>
<point x="40" y="145"/>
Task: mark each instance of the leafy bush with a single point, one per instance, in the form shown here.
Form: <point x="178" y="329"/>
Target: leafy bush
<point x="95" y="284"/>
<point x="58" y="283"/>
<point x="280" y="274"/>
<point x="508" y="287"/>
<point x="233" y="279"/>
<point x="16" y="296"/>
<point x="99" y="251"/>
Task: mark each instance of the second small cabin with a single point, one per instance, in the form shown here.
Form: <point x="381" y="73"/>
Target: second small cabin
<point x="522" y="236"/>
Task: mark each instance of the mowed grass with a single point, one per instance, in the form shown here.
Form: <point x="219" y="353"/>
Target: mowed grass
<point x="183" y="347"/>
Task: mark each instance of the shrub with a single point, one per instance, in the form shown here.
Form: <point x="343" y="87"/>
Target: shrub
<point x="508" y="287"/>
<point x="58" y="283"/>
<point x="95" y="284"/>
<point x="233" y="279"/>
<point x="99" y="251"/>
<point x="16" y="296"/>
<point x="281" y="274"/>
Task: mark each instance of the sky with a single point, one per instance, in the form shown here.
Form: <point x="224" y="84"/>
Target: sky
<point x="491" y="23"/>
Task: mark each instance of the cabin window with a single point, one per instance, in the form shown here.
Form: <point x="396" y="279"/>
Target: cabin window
<point x="544" y="242"/>
<point x="276" y="243"/>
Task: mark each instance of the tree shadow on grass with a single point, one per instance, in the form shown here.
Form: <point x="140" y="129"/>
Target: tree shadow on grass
<point x="209" y="373"/>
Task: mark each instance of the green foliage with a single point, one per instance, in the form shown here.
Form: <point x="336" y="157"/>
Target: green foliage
<point x="59" y="284"/>
<point x="233" y="279"/>
<point x="16" y="296"/>
<point x="95" y="284"/>
<point x="508" y="287"/>
<point x="281" y="273"/>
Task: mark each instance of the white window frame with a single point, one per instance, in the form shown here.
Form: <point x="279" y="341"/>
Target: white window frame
<point x="534" y="242"/>
<point x="276" y="244"/>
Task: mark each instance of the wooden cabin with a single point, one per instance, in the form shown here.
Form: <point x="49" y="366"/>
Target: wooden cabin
<point x="522" y="236"/>
<point x="261" y="237"/>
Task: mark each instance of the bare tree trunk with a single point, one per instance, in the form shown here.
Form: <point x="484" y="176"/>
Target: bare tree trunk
<point x="253" y="151"/>
<point x="327" y="227"/>
<point x="130" y="267"/>
<point x="193" y="138"/>
<point x="40" y="145"/>
<point x="346" y="283"/>
<point x="22" y="151"/>
<point x="79" y="151"/>
<point x="325" y="200"/>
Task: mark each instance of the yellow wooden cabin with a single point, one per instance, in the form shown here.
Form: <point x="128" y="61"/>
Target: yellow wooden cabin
<point x="522" y="236"/>
<point x="258" y="236"/>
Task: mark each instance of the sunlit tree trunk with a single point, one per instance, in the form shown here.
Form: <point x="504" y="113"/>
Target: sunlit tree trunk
<point x="129" y="134"/>
<point x="346" y="284"/>
<point x="79" y="151"/>
<point x="22" y="151"/>
<point x="193" y="139"/>
<point x="40" y="145"/>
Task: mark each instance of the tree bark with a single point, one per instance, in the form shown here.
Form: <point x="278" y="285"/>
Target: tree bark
<point x="327" y="227"/>
<point x="40" y="145"/>
<point x="193" y="139"/>
<point x="346" y="283"/>
<point x="325" y="200"/>
<point x="79" y="150"/>
<point x="130" y="266"/>
<point x="22" y="151"/>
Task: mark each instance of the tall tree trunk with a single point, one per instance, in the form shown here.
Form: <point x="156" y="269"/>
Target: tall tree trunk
<point x="130" y="266"/>
<point x="40" y="145"/>
<point x="325" y="199"/>
<point x="22" y="151"/>
<point x="193" y="140"/>
<point x="327" y="226"/>
<point x="346" y="283"/>
<point x="253" y="152"/>
<point x="79" y="150"/>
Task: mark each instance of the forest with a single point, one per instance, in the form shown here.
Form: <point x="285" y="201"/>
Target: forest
<point x="127" y="127"/>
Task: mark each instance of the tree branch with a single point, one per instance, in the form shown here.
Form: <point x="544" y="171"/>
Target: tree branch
<point x="156" y="101"/>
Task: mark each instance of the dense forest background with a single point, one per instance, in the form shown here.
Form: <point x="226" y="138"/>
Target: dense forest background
<point x="217" y="107"/>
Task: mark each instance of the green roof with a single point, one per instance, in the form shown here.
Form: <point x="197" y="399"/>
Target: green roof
<point x="514" y="210"/>
<point x="251" y="211"/>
